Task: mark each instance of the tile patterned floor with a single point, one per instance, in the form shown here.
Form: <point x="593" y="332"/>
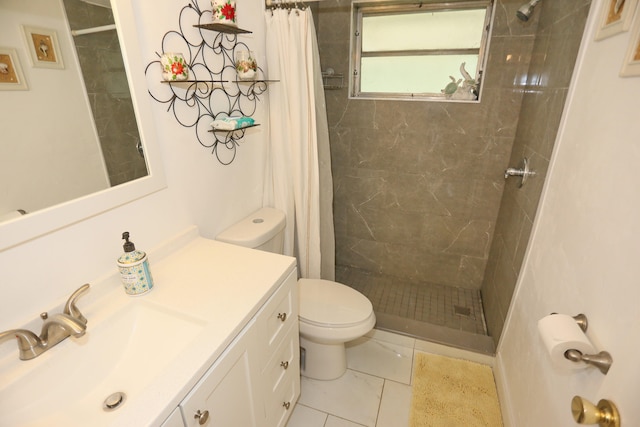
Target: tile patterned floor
<point x="455" y="308"/>
<point x="376" y="389"/>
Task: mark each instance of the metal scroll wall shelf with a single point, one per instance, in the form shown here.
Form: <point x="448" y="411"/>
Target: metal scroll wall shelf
<point x="213" y="90"/>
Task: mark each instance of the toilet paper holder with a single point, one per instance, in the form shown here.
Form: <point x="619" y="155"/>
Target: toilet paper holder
<point x="602" y="360"/>
<point x="581" y="320"/>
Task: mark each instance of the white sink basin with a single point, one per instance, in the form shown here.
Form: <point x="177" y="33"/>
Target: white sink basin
<point x="68" y="384"/>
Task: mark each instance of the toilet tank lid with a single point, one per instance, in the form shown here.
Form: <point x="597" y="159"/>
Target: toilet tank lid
<point x="254" y="230"/>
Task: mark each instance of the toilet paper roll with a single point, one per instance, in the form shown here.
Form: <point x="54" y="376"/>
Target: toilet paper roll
<point x="11" y="215"/>
<point x="559" y="333"/>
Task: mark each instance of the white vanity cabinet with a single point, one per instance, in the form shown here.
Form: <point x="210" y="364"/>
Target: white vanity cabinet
<point x="277" y="327"/>
<point x="214" y="344"/>
<point x="256" y="381"/>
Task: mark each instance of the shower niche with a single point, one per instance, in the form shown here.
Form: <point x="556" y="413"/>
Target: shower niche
<point x="212" y="90"/>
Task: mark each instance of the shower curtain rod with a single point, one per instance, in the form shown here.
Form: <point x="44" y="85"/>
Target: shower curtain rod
<point x="93" y="30"/>
<point x="273" y="4"/>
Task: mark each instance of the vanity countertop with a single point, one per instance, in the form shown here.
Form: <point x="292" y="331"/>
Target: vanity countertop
<point x="217" y="286"/>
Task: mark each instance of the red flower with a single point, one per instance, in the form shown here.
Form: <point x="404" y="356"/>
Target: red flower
<point x="177" y="68"/>
<point x="229" y="12"/>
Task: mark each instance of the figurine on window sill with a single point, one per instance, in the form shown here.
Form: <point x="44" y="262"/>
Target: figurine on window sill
<point x="468" y="90"/>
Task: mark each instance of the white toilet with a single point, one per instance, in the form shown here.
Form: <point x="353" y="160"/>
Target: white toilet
<point x="330" y="313"/>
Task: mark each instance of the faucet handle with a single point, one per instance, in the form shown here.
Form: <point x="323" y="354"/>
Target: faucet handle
<point x="70" y="307"/>
<point x="28" y="343"/>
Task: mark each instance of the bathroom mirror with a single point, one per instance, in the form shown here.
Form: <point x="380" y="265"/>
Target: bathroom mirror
<point x="99" y="198"/>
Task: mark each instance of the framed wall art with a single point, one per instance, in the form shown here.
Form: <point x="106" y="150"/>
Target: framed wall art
<point x="615" y="17"/>
<point x="11" y="77"/>
<point x="631" y="65"/>
<point x="43" y="47"/>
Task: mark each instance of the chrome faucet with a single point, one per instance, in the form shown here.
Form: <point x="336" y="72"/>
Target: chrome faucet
<point x="54" y="329"/>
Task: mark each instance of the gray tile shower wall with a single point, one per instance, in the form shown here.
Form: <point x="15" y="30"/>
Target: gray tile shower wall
<point x="560" y="29"/>
<point x="418" y="185"/>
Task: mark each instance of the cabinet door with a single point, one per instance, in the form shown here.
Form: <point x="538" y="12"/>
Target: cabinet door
<point x="225" y="396"/>
<point x="174" y="420"/>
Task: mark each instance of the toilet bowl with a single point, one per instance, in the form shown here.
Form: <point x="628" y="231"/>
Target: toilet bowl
<point x="331" y="313"/>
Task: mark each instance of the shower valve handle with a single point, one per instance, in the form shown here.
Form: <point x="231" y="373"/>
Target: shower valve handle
<point x="523" y="171"/>
<point x="517" y="172"/>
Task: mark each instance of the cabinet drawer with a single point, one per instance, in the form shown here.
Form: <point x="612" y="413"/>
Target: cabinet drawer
<point x="280" y="312"/>
<point x="279" y="408"/>
<point x="284" y="363"/>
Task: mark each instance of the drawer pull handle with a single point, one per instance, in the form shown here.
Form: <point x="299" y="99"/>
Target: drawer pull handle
<point x="282" y="316"/>
<point x="284" y="364"/>
<point x="202" y="417"/>
<point x="286" y="405"/>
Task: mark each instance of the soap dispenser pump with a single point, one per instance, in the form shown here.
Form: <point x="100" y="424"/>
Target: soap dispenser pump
<point x="134" y="269"/>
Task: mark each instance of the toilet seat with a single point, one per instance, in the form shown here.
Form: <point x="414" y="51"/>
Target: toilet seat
<point x="326" y="303"/>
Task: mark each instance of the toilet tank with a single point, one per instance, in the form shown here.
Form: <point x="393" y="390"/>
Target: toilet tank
<point x="263" y="230"/>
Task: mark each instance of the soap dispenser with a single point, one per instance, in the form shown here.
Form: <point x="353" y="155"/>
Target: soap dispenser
<point x="134" y="269"/>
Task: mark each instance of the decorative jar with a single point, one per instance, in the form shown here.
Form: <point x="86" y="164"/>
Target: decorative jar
<point x="246" y="64"/>
<point x="174" y="67"/>
<point x="224" y="12"/>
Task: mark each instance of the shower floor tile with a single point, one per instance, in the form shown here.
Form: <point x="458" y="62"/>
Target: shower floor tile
<point x="455" y="308"/>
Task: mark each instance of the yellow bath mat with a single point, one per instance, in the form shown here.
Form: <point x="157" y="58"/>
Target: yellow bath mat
<point x="453" y="393"/>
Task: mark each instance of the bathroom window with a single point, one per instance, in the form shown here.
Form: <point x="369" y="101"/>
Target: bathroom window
<point x="416" y="51"/>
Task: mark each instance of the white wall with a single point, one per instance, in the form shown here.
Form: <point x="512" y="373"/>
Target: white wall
<point x="41" y="273"/>
<point x="583" y="253"/>
<point x="49" y="150"/>
<point x="216" y="195"/>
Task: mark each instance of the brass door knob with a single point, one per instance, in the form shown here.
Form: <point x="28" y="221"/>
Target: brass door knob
<point x="585" y="412"/>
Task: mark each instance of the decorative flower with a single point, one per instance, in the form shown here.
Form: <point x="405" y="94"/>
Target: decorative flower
<point x="177" y="68"/>
<point x="174" y="67"/>
<point x="228" y="11"/>
<point x="244" y="66"/>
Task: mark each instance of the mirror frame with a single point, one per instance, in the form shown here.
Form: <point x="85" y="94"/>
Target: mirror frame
<point x="39" y="223"/>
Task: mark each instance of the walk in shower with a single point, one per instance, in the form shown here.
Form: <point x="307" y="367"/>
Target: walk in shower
<point x="100" y="58"/>
<point x="426" y="225"/>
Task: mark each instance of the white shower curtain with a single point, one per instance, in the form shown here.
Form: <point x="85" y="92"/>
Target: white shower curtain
<point x="298" y="170"/>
